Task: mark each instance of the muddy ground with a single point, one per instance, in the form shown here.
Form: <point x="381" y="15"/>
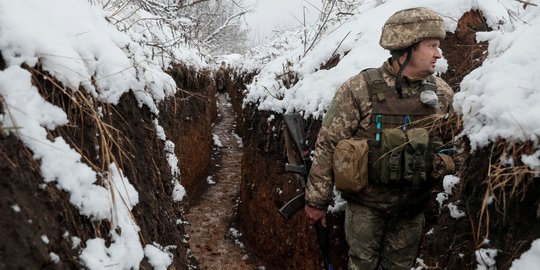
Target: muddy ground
<point x="214" y="241"/>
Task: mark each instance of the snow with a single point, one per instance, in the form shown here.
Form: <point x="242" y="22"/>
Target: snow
<point x="54" y="257"/>
<point x="210" y="180"/>
<point x="96" y="47"/>
<point x="76" y="241"/>
<point x="455" y="212"/>
<point x="16" y="208"/>
<point x="449" y="181"/>
<point x="45" y="239"/>
<point x="159" y="257"/>
<point x="497" y="103"/>
<point x="217" y="141"/>
<point x="529" y="259"/>
<point x="179" y="191"/>
<point x="485" y="257"/>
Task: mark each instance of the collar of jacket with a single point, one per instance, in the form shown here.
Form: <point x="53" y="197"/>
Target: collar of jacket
<point x="387" y="68"/>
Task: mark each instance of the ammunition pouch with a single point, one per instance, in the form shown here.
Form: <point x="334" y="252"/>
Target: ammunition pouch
<point x="403" y="159"/>
<point x="415" y="156"/>
<point x="350" y="164"/>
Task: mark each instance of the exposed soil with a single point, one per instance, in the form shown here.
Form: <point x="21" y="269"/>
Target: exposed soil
<point x="31" y="209"/>
<point x="213" y="241"/>
<point x="266" y="186"/>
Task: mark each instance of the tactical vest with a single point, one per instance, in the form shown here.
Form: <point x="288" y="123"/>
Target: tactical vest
<point x="400" y="150"/>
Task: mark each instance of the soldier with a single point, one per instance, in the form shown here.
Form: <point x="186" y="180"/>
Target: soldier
<point x="221" y="78"/>
<point x="388" y="107"/>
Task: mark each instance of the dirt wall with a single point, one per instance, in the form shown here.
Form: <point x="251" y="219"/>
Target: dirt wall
<point x="133" y="144"/>
<point x="266" y="186"/>
<point x="188" y="122"/>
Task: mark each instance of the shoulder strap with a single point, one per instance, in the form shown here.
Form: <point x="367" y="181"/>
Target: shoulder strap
<point x="376" y="84"/>
<point x="429" y="84"/>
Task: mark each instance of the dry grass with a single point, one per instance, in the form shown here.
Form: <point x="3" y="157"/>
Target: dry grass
<point x="504" y="183"/>
<point x="289" y="77"/>
<point x="107" y="144"/>
<point x="82" y="108"/>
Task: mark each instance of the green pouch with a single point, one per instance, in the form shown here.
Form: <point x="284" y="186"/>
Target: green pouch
<point x="389" y="165"/>
<point x="415" y="156"/>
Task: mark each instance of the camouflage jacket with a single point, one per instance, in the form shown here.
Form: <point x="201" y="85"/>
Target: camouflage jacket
<point x="349" y="112"/>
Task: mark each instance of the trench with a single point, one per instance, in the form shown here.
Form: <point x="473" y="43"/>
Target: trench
<point x="214" y="241"/>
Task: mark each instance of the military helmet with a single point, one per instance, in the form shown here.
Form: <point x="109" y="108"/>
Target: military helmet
<point x="409" y="26"/>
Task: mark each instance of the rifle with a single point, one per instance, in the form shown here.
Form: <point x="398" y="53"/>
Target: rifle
<point x="295" y="127"/>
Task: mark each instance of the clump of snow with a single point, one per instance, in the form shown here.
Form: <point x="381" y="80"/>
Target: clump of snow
<point x="210" y="180"/>
<point x="486" y="259"/>
<point x="16" y="208"/>
<point x="441" y="198"/>
<point x="75" y="242"/>
<point x="159" y="257"/>
<point x="179" y="191"/>
<point x="126" y="249"/>
<point x="45" y="239"/>
<point x="235" y="235"/>
<point x="420" y="265"/>
<point x="54" y="257"/>
<point x="449" y="181"/>
<point x="217" y="141"/>
<point x="455" y="212"/>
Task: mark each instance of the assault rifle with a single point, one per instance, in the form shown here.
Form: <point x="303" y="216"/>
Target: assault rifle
<point x="295" y="127"/>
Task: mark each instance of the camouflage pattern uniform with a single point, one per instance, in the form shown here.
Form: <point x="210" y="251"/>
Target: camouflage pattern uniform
<point x="383" y="224"/>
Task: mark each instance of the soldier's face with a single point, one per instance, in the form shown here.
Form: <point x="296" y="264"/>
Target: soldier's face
<point x="424" y="58"/>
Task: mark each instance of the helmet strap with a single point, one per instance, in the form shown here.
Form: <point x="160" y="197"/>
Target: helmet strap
<point x="399" y="76"/>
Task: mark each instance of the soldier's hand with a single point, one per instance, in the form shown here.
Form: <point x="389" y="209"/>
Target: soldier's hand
<point x="314" y="215"/>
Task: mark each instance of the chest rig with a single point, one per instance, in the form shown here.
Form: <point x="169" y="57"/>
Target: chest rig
<point x="400" y="150"/>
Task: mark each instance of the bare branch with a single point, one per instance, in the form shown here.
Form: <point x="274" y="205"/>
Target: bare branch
<point x="225" y="24"/>
<point x="526" y="3"/>
<point x="321" y="27"/>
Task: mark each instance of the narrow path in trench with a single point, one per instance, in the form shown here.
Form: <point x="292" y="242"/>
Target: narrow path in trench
<point x="212" y="242"/>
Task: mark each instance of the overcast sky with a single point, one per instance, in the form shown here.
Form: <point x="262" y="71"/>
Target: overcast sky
<point x="279" y="14"/>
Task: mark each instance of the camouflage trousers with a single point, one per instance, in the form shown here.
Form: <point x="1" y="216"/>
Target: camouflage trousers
<point x="378" y="241"/>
